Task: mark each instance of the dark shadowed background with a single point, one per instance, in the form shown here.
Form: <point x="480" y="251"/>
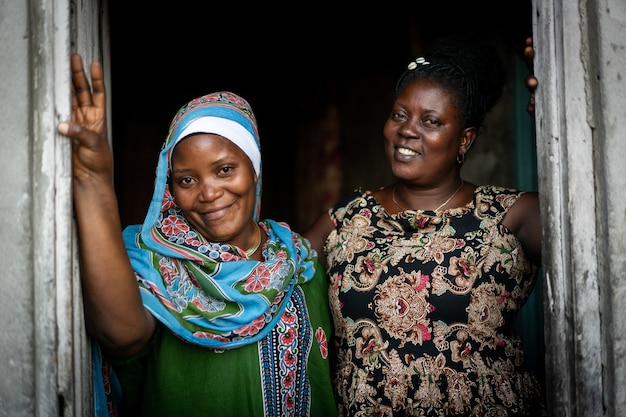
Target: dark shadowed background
<point x="319" y="79"/>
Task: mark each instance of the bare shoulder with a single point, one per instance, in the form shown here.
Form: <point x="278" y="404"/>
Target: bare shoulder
<point x="524" y="220"/>
<point x="318" y="232"/>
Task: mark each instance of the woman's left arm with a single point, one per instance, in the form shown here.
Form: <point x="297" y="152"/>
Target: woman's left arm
<point x="524" y="220"/>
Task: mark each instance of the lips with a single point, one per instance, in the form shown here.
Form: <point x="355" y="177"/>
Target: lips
<point x="215" y="213"/>
<point x="405" y="154"/>
<point x="407" y="151"/>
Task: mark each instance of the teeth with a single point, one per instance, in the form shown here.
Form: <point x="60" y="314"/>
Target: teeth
<point x="405" y="151"/>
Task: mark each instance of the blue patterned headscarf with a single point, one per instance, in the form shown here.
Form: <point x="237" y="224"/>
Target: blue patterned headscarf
<point x="211" y="293"/>
<point x="222" y="113"/>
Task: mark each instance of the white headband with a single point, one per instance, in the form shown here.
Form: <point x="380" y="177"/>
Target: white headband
<point x="229" y="129"/>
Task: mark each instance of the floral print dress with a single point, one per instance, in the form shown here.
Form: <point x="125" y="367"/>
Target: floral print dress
<point x="424" y="306"/>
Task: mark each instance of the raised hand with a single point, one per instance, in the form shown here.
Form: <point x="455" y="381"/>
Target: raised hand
<point x="530" y="80"/>
<point x="91" y="153"/>
<point x="113" y="310"/>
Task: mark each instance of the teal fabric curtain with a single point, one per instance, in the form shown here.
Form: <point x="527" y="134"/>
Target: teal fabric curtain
<point x="530" y="320"/>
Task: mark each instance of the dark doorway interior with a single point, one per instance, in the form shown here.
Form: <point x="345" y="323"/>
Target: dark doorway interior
<point x="292" y="66"/>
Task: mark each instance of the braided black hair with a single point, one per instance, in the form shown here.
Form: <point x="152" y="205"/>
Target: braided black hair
<point x="468" y="67"/>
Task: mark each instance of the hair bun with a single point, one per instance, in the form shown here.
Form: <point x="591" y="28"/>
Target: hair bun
<point x="478" y="59"/>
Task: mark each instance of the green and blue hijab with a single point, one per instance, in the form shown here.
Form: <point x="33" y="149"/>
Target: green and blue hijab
<point x="210" y="293"/>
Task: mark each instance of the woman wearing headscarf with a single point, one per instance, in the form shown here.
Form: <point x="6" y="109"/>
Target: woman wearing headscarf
<point x="202" y="309"/>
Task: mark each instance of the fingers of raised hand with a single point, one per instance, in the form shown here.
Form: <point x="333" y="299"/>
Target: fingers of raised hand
<point x="529" y="53"/>
<point x="530" y="107"/>
<point x="81" y="90"/>
<point x="531" y="82"/>
<point x="97" y="84"/>
<point x="84" y="94"/>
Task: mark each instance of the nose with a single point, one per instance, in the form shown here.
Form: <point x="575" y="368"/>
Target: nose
<point x="409" y="129"/>
<point x="210" y="191"/>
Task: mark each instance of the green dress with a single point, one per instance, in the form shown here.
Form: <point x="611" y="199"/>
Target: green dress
<point x="171" y="377"/>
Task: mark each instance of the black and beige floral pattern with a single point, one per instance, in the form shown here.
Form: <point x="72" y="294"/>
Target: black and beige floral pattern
<point x="425" y="305"/>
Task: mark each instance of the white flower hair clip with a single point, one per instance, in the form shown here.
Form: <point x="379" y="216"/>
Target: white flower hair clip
<point x="418" y="61"/>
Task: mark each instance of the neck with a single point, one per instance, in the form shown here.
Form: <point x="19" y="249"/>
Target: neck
<point x="257" y="242"/>
<point x="398" y="201"/>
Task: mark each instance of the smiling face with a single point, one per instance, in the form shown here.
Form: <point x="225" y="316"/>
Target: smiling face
<point x="213" y="182"/>
<point x="423" y="134"/>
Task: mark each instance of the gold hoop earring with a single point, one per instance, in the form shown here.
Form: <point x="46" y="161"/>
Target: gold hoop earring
<point x="460" y="158"/>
